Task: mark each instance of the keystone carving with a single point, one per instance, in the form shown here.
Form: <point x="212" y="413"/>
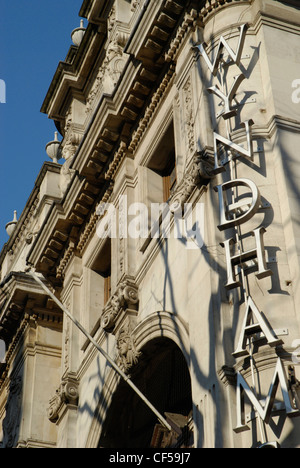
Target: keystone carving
<point x="128" y="355"/>
<point x="125" y="297"/>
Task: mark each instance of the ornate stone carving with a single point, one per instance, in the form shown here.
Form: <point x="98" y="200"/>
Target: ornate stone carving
<point x="66" y="394"/>
<point x="111" y="19"/>
<point x="113" y="63"/>
<point x="73" y="133"/>
<point x="125" y="297"/>
<point x="127" y="353"/>
<point x="134" y="4"/>
<point x="67" y="341"/>
<point x="66" y="173"/>
<point x="205" y="166"/>
<point x="189" y="116"/>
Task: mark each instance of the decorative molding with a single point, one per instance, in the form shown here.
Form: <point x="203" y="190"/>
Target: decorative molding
<point x="113" y="63"/>
<point x="149" y="113"/>
<point x="65" y="260"/>
<point x="189" y="119"/>
<point x="117" y="161"/>
<point x="26" y="231"/>
<point x="73" y="134"/>
<point x="213" y="6"/>
<point x="227" y="375"/>
<point x="188" y="22"/>
<point x="92" y="223"/>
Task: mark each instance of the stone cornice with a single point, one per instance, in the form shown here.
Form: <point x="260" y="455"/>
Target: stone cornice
<point x="91" y="9"/>
<point x="114" y="133"/>
<point x="71" y="77"/>
<point x="20" y="230"/>
<point x="20" y="295"/>
<point x="211" y="7"/>
<point x="112" y="123"/>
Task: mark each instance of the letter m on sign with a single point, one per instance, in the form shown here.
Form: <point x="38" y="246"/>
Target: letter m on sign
<point x="264" y="410"/>
<point x="235" y="56"/>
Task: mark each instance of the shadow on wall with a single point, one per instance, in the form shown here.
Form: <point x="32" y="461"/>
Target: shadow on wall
<point x="11" y="425"/>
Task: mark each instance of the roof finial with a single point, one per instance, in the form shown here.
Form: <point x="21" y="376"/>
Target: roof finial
<point x="10" y="227"/>
<point x="53" y="149"/>
<point x="78" y="33"/>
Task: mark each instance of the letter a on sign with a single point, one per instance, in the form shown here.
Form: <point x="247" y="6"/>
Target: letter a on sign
<point x="254" y="323"/>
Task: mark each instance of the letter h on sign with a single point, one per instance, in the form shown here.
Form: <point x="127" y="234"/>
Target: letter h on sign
<point x="257" y="255"/>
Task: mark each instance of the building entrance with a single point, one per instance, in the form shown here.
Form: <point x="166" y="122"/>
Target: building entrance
<point x="163" y="376"/>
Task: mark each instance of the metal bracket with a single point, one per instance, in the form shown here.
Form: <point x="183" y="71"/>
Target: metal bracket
<point x="227" y="63"/>
<point x="280" y="332"/>
<point x="248" y="101"/>
<point x="238" y="104"/>
<point x="272" y="259"/>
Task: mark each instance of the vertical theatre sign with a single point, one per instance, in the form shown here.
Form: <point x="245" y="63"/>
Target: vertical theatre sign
<point x="234" y="212"/>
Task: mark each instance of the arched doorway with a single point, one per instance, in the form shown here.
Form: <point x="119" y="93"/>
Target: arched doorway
<point x="163" y="376"/>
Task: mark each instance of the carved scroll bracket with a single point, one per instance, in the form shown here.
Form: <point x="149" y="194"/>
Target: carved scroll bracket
<point x="66" y="394"/>
<point x="125" y="298"/>
<point x="200" y="169"/>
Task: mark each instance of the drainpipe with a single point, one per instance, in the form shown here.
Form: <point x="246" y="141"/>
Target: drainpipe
<point x="162" y="420"/>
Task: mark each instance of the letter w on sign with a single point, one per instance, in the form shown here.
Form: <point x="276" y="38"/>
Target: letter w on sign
<point x="235" y="56"/>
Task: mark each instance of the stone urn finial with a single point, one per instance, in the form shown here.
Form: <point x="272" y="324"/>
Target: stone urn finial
<point x="78" y="33"/>
<point x="10" y="227"/>
<point x="53" y="149"/>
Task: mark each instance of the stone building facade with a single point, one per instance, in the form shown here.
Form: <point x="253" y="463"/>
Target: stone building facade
<point x="180" y="132"/>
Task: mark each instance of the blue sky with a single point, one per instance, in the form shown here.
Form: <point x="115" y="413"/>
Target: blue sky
<point x="34" y="36"/>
